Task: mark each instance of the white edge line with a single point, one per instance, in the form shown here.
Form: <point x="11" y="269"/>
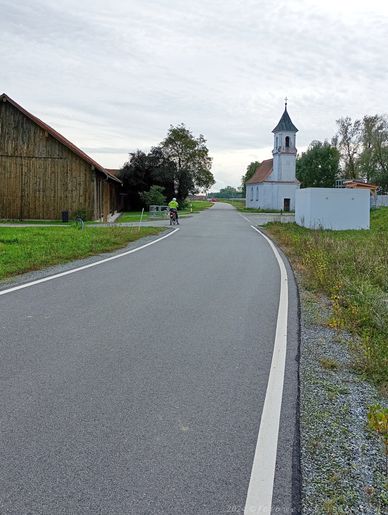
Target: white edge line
<point x="91" y="265"/>
<point x="260" y="490"/>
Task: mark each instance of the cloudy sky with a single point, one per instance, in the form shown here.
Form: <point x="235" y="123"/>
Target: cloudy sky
<point x="112" y="76"/>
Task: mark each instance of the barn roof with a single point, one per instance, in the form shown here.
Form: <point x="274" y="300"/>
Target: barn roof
<point x="56" y="135"/>
<point x="262" y="172"/>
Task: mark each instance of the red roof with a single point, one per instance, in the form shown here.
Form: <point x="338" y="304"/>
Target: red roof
<point x="59" y="137"/>
<point x="262" y="172"/>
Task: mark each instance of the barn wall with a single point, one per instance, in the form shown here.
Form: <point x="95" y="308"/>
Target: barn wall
<point x="39" y="176"/>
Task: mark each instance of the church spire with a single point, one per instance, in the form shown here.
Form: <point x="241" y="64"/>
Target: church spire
<point x="285" y="124"/>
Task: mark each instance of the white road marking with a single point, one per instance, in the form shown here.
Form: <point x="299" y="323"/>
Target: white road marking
<point x="260" y="490"/>
<point x="74" y="270"/>
<point x="245" y="218"/>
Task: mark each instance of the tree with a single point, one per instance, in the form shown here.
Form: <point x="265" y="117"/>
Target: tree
<point x="229" y="192"/>
<point x="251" y="169"/>
<point x="154" y="196"/>
<point x="145" y="170"/>
<point x="191" y="158"/>
<point x="318" y="166"/>
<point x="348" y="139"/>
<point x="373" y="160"/>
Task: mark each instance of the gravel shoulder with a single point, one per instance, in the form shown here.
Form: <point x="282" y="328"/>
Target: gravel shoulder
<point x="342" y="462"/>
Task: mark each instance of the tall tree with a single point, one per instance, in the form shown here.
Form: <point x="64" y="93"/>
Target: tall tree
<point x="318" y="166"/>
<point x="191" y="158"/>
<point x="145" y="170"/>
<point x="348" y="139"/>
<point x="373" y="161"/>
<point x="251" y="169"/>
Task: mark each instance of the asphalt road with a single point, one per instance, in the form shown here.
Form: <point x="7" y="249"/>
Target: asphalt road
<point x="136" y="387"/>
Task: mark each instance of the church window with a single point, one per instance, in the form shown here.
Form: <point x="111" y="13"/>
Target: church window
<point x="257" y="193"/>
<point x="251" y="192"/>
<point x="287" y="141"/>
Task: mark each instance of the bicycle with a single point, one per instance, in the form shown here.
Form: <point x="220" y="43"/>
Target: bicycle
<point x="173" y="217"/>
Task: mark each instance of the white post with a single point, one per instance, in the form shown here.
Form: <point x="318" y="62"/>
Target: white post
<point x="141" y="219"/>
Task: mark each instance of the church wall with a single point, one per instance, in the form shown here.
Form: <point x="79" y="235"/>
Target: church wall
<point x="269" y="195"/>
<point x="287" y="168"/>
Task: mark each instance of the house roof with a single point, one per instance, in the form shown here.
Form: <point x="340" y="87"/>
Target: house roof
<point x="357" y="184"/>
<point x="262" y="172"/>
<point x="285" y="124"/>
<point x="56" y="135"/>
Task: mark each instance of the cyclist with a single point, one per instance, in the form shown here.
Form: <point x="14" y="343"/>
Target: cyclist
<point x="173" y="205"/>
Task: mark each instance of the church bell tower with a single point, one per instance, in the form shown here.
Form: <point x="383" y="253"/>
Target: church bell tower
<point x="284" y="150"/>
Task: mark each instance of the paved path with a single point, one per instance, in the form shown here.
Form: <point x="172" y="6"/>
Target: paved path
<point x="136" y="386"/>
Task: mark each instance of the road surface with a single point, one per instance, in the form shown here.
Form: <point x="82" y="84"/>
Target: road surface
<point x="137" y="386"/>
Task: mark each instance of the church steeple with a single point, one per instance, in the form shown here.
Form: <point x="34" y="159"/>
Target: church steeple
<point x="284" y="141"/>
<point x="285" y="124"/>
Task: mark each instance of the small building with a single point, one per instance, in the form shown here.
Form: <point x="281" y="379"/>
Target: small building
<point x="337" y="209"/>
<point x="274" y="183"/>
<point x="356" y="184"/>
<point x="42" y="174"/>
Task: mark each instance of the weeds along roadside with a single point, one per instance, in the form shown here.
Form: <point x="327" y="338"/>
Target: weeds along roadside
<point x="351" y="268"/>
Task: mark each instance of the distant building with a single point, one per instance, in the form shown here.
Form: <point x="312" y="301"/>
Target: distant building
<point x="43" y="175"/>
<point x="274" y="183"/>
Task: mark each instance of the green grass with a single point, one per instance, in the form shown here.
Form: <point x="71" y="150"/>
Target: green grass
<point x="240" y="206"/>
<point x="194" y="206"/>
<point x="351" y="268"/>
<point x="23" y="249"/>
<point x="132" y="216"/>
<point x="32" y="222"/>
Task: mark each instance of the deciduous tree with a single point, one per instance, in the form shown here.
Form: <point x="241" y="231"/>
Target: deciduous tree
<point x="191" y="158"/>
<point x="318" y="166"/>
<point x="251" y="169"/>
<point x="348" y="139"/>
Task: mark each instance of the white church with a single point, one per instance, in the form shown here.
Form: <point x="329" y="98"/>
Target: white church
<point x="274" y="183"/>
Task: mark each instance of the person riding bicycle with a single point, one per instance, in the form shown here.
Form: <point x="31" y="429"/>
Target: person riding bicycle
<point x="173" y="206"/>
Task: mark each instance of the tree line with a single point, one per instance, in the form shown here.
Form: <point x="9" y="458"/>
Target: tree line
<point x="358" y="150"/>
<point x="180" y="165"/>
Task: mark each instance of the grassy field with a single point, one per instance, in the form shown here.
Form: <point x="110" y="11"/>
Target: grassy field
<point x="23" y="249"/>
<point x="351" y="268"/>
<point x="240" y="206"/>
<point x="132" y="216"/>
<point x="194" y="206"/>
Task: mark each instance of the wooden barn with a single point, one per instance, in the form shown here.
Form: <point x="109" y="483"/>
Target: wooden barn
<point x="43" y="175"/>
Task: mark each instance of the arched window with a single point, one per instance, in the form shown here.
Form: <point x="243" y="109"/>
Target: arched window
<point x="287" y="141"/>
<point x="257" y="193"/>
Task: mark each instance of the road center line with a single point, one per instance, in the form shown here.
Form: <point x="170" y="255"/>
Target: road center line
<point x="260" y="490"/>
<point x="91" y="265"/>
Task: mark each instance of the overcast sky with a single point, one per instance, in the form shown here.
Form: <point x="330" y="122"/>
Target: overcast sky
<point x="112" y="76"/>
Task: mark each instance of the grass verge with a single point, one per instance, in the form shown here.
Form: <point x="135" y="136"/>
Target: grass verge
<point x="132" y="216"/>
<point x="194" y="206"/>
<point x="351" y="268"/>
<point x="23" y="249"/>
<point x="240" y="206"/>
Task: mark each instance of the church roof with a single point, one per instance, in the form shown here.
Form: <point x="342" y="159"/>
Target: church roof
<point x="262" y="172"/>
<point x="285" y="124"/>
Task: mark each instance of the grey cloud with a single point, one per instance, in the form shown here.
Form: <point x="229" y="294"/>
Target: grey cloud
<point x="119" y="74"/>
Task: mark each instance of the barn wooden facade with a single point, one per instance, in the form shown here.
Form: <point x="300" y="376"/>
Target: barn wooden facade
<point x="42" y="174"/>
